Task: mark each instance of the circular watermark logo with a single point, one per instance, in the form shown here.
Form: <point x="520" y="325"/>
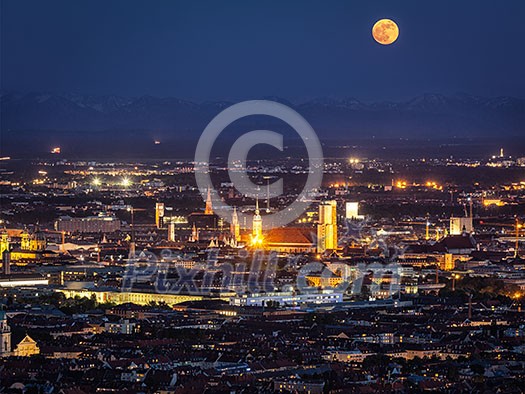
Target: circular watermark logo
<point x="237" y="167"/>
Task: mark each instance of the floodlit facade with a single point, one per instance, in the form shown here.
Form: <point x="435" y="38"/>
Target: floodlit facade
<point x="352" y="211"/>
<point x="327" y="226"/>
<point x="458" y="225"/>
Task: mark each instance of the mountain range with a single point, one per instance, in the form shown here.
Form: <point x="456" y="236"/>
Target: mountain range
<point x="425" y="116"/>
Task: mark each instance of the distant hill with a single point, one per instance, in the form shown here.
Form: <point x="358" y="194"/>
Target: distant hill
<point x="425" y="116"/>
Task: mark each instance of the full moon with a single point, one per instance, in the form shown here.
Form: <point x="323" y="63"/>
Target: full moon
<point x="385" y="31"/>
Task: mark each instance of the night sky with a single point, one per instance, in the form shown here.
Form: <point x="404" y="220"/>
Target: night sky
<point x="247" y="49"/>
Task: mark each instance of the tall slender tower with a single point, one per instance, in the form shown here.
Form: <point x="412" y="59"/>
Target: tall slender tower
<point x="209" y="208"/>
<point x="194" y="234"/>
<point x="5" y="336"/>
<point x="4" y="241"/>
<point x="171" y="231"/>
<point x="327" y="226"/>
<point x="235" y="229"/>
<point x="159" y="214"/>
<point x="5" y="255"/>
<point x="6" y="262"/>
<point x="257" y="224"/>
<point x="24" y="243"/>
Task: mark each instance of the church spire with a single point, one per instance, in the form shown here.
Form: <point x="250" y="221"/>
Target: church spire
<point x="257" y="225"/>
<point x="235" y="228"/>
<point x="209" y="208"/>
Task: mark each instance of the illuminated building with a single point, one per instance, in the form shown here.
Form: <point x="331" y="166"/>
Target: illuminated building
<point x="5" y="254"/>
<point x="257" y="236"/>
<point x="459" y="225"/>
<point x="352" y="211"/>
<point x="171" y="232"/>
<point x="159" y="214"/>
<point x="324" y="280"/>
<point x="194" y="234"/>
<point x="234" y="226"/>
<point x="5" y="335"/>
<point x="27" y="347"/>
<point x="287" y="299"/>
<point x="32" y="248"/>
<point x="90" y="224"/>
<point x="209" y="208"/>
<point x="487" y="202"/>
<point x="139" y="298"/>
<point x="23" y="280"/>
<point x="290" y="240"/>
<point x="327" y="226"/>
<point x="33" y="242"/>
<point x="207" y="220"/>
<point x="4" y="241"/>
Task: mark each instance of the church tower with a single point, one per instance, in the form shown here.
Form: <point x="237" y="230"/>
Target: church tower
<point x="5" y="336"/>
<point x="4" y="241"/>
<point x="257" y="225"/>
<point x="24" y="243"/>
<point x="5" y="255"/>
<point x="194" y="234"/>
<point x="209" y="208"/>
<point x="235" y="229"/>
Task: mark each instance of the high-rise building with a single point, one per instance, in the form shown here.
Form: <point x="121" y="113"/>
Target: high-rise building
<point x="5" y="335"/>
<point x="459" y="225"/>
<point x="159" y="214"/>
<point x="327" y="226"/>
<point x="352" y="211"/>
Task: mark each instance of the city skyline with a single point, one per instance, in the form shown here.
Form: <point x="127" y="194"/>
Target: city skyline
<point x="245" y="197"/>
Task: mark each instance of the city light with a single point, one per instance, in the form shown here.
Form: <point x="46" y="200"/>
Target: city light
<point x="257" y="241"/>
<point x="380" y="248"/>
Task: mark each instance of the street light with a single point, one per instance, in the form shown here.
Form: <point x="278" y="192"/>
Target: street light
<point x="97" y="249"/>
<point x="126" y="181"/>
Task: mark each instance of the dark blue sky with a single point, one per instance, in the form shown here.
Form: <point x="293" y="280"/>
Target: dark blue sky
<point x="249" y="49"/>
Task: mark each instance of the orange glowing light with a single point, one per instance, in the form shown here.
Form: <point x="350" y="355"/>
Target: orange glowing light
<point x="385" y="31"/>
